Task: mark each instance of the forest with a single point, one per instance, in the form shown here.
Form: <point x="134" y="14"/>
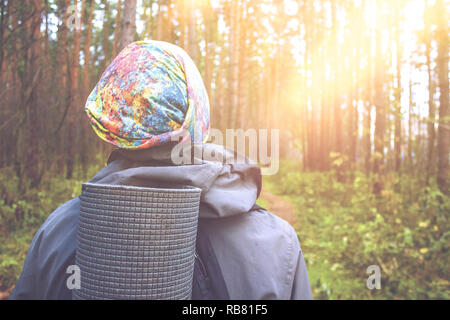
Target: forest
<point x="359" y="90"/>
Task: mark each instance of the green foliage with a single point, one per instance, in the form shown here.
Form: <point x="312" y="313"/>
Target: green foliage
<point x="343" y="229"/>
<point x="262" y="203"/>
<point x="21" y="214"/>
<point x="13" y="251"/>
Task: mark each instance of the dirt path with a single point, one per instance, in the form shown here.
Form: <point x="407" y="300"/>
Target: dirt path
<point x="277" y="205"/>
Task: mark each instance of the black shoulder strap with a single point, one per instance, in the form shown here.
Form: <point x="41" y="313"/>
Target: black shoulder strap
<point x="208" y="282"/>
<point x="256" y="207"/>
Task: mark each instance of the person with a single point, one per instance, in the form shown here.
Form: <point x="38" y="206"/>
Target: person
<point x="150" y="99"/>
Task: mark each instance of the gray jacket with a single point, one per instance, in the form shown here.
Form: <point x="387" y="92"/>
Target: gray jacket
<point x="259" y="253"/>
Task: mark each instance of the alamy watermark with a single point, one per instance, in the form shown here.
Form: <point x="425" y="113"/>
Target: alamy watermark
<point x="249" y="145"/>
<point x="73" y="20"/>
<point x="74" y="280"/>
<point x="374" y="279"/>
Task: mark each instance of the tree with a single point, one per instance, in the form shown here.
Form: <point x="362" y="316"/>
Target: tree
<point x="87" y="50"/>
<point x="427" y="39"/>
<point x="192" y="31"/>
<point x="74" y="97"/>
<point x="128" y="24"/>
<point x="117" y="28"/>
<point x="32" y="93"/>
<point x="380" y="107"/>
<point x="160" y="22"/>
<point x="398" y="90"/>
<point x="444" y="111"/>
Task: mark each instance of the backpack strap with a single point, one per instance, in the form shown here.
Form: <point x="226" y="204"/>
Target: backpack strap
<point x="208" y="282"/>
<point x="256" y="207"/>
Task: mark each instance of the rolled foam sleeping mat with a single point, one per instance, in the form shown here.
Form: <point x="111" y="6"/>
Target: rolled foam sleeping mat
<point x="136" y="243"/>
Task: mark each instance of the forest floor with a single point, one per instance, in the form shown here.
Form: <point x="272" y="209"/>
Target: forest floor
<point x="278" y="206"/>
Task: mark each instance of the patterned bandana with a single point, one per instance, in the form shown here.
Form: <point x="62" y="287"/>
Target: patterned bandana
<point x="151" y="92"/>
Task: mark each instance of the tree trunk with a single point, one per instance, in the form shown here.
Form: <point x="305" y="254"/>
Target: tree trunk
<point x="117" y="28"/>
<point x="160" y="22"/>
<point x="234" y="63"/>
<point x="431" y="113"/>
<point x="210" y="24"/>
<point x="128" y="24"/>
<point x="398" y="93"/>
<point x="444" y="111"/>
<point x="380" y="121"/>
<point x="192" y="32"/>
<point x="337" y="87"/>
<point x="242" y="75"/>
<point x="32" y="95"/>
<point x="369" y="102"/>
<point x="410" y="123"/>
<point x="74" y="100"/>
<point x="87" y="51"/>
<point x="169" y="37"/>
<point x="182" y="14"/>
<point x="105" y="31"/>
<point x="62" y="63"/>
<point x="352" y="103"/>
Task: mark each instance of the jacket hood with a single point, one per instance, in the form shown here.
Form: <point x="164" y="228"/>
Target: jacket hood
<point x="230" y="183"/>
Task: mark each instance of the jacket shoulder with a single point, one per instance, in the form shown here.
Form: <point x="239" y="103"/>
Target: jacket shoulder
<point x="258" y="253"/>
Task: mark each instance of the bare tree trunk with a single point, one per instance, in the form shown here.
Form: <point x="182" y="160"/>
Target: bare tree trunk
<point x="128" y="24"/>
<point x="444" y="111"/>
<point x="234" y="63"/>
<point x="160" y="22"/>
<point x="31" y="94"/>
<point x="4" y="18"/>
<point x="220" y="92"/>
<point x="242" y="76"/>
<point x="410" y="124"/>
<point x="337" y="87"/>
<point x="148" y="21"/>
<point x="62" y="62"/>
<point x="315" y="101"/>
<point x="192" y="32"/>
<point x="4" y="72"/>
<point x="210" y="24"/>
<point x="398" y="94"/>
<point x="431" y="113"/>
<point x="380" y="121"/>
<point x="323" y="155"/>
<point x="368" y="112"/>
<point x="47" y="61"/>
<point x="182" y="12"/>
<point x="169" y="29"/>
<point x="84" y="127"/>
<point x="117" y="28"/>
<point x="87" y="50"/>
<point x="74" y="99"/>
<point x="105" y="31"/>
<point x="303" y="16"/>
<point x="352" y="103"/>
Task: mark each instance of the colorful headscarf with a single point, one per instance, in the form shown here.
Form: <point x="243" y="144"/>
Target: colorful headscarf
<point x="151" y="92"/>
